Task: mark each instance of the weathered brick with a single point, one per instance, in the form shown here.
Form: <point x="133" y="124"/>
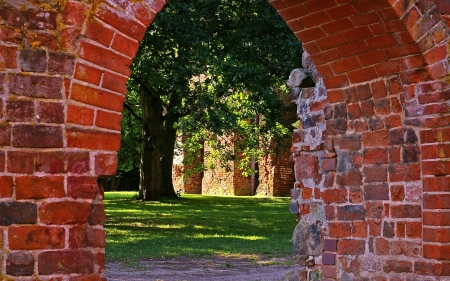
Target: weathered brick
<point x="33" y="187"/>
<point x="60" y="63"/>
<point x="306" y="166"/>
<point x="20" y="110"/>
<point x="33" y="60"/>
<point x="410" y="249"/>
<point x="108" y="120"/>
<point x="37" y="136"/>
<point x="350" y="142"/>
<point x="20" y="264"/>
<point x="351" y="178"/>
<point x="382" y="246"/>
<point x="338" y="195"/>
<point x="406" y="172"/>
<point x="406" y="211"/>
<point x="376" y="192"/>
<point x="351" y="247"/>
<point x="427" y="268"/>
<point x="97" y="215"/>
<point x="339" y="229"/>
<point x="375" y="156"/>
<point x="36" y="86"/>
<point x="39" y="19"/>
<point x="75" y="13"/>
<point x="80" y="115"/>
<point x="65" y="212"/>
<point x="397" y="266"/>
<point x="375" y="139"/>
<point x="375" y="174"/>
<point x="82" y="187"/>
<point x="18" y="213"/>
<point x="50" y="162"/>
<point x="330" y="245"/>
<point x="434" y="184"/>
<point x="12" y="15"/>
<point x="5" y="135"/>
<point x="351" y="212"/>
<point x="96" y="238"/>
<point x="36" y="237"/>
<point x="78" y="162"/>
<point x="50" y="112"/>
<point x="397" y="193"/>
<point x="65" y="262"/>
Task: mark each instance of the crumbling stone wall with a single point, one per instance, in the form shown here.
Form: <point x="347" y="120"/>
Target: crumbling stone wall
<point x="63" y="68"/>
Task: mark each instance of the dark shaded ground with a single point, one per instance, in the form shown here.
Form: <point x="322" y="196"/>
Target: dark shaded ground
<point x="205" y="269"/>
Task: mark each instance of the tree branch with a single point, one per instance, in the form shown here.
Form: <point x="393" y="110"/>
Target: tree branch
<point x="128" y="107"/>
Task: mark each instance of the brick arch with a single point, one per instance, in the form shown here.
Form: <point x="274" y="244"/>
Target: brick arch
<point x="367" y="51"/>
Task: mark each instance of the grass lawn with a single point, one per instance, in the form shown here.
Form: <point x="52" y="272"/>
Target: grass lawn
<point x="196" y="226"/>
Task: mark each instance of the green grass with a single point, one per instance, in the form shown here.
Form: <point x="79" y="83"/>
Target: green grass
<point x="196" y="226"/>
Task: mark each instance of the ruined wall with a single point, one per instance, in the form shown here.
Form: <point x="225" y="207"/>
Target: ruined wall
<point x="384" y="165"/>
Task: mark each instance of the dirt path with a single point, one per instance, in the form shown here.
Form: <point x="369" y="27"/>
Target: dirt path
<point x="211" y="269"/>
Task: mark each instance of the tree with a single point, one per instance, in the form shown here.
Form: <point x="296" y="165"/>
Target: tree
<point x="205" y="68"/>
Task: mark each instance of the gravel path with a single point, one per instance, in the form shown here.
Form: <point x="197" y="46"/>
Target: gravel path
<point x="216" y="269"/>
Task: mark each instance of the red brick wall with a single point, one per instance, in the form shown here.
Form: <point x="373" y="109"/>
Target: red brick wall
<point x="63" y="69"/>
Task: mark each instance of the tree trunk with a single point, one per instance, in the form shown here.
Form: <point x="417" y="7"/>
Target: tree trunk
<point x="167" y="152"/>
<point x="152" y="135"/>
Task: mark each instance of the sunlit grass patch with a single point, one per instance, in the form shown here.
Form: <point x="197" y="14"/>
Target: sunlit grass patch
<point x="196" y="226"/>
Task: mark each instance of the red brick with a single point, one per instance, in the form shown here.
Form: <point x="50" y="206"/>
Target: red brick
<point x="357" y="33"/>
<point x="45" y="40"/>
<point x="105" y="58"/>
<point x="125" y="45"/>
<point x="355" y="195"/>
<point x="293" y="12"/>
<point x="65" y="212"/>
<point x="331" y="42"/>
<point x="382" y="246"/>
<point x="6" y="188"/>
<point x="405" y="172"/>
<point x="82" y="187"/>
<point x="374" y="227"/>
<point x="12" y="15"/>
<point x="108" y="120"/>
<point x="2" y="161"/>
<point x="325" y="57"/>
<point x="97" y="97"/>
<point x="414" y="229"/>
<point x="359" y="229"/>
<point x="306" y="166"/>
<point x="372" y="57"/>
<point x="20" y="162"/>
<point x="436" y="201"/>
<point x="375" y="156"/>
<point x="78" y="162"/>
<point x="351" y="247"/>
<point x="315" y="19"/>
<point x="436" y="184"/>
<point x="382" y="106"/>
<point x="65" y="262"/>
<point x="99" y="33"/>
<point x="50" y="112"/>
<point x="8" y="57"/>
<point x="354" y="111"/>
<point x="397" y="193"/>
<point x="436" y="168"/>
<point x="19" y="264"/>
<point x="329" y="271"/>
<point x="375" y="139"/>
<point x="436" y="218"/>
<point x="74" y="13"/>
<point x="406" y="211"/>
<point x="345" y="64"/>
<point x="115" y="83"/>
<point x="338" y="195"/>
<point x="91" y="139"/>
<point x="77" y="237"/>
<point x="339" y="229"/>
<point x="60" y="63"/>
<point x="50" y="162"/>
<point x="106" y="164"/>
<point x="441" y="235"/>
<point x="435" y="135"/>
<point x="337" y="26"/>
<point x="11" y="35"/>
<point x="37" y="136"/>
<point x="36" y="237"/>
<point x="335" y="96"/>
<point x="365" y="19"/>
<point x="341" y="11"/>
<point x="437" y="252"/>
<point x="351" y="178"/>
<point x="142" y="13"/>
<point x="34" y="187"/>
<point x="87" y="73"/>
<point x="80" y="115"/>
<point x="362" y="75"/>
<point x="121" y="22"/>
<point x="69" y="37"/>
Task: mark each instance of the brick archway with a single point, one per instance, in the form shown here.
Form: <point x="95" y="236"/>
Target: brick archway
<point x="63" y="73"/>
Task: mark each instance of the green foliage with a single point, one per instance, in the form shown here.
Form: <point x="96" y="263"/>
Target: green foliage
<point x="215" y="64"/>
<point x="196" y="226"/>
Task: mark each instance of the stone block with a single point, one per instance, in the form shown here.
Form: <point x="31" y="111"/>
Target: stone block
<point x="307" y="240"/>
